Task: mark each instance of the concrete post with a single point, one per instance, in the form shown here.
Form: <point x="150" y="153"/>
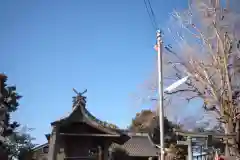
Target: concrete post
<point x="190" y="152"/>
<point x="188" y="143"/>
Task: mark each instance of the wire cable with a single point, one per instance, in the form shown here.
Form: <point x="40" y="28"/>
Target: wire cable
<point x="151" y="14"/>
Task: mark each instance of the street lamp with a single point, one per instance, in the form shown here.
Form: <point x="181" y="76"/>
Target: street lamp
<point x="161" y="92"/>
<point x="170" y="88"/>
<point x="176" y="84"/>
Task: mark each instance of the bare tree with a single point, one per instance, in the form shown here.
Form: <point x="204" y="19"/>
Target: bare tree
<point x="208" y="52"/>
<point x="206" y="48"/>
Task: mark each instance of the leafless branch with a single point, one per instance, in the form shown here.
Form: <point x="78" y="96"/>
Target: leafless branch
<point x="180" y="90"/>
<point x="191" y="98"/>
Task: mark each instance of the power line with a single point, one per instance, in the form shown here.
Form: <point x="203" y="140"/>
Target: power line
<point x="151" y="14"/>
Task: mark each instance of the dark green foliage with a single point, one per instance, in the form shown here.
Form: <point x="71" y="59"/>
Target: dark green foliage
<point x="9" y="103"/>
<point x="119" y="153"/>
<point x="142" y="121"/>
<point x="146" y="121"/>
<point x="170" y="138"/>
<point x="18" y="144"/>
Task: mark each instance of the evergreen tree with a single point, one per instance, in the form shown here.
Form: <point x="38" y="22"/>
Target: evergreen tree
<point x="147" y="121"/>
<point x="14" y="144"/>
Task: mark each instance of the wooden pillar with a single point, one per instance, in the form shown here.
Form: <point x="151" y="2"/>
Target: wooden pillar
<point x="53" y="144"/>
<point x="106" y="150"/>
<point x="110" y="153"/>
<point x="188" y="142"/>
<point x="227" y="154"/>
<point x="100" y="154"/>
<point x="61" y="154"/>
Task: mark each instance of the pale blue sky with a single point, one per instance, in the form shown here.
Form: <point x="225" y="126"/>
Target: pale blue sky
<point x="49" y="47"/>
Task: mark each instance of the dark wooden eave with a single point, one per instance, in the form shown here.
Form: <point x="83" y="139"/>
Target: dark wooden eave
<point x="89" y="119"/>
<point x="86" y="118"/>
<point x="89" y="134"/>
<point x="40" y="147"/>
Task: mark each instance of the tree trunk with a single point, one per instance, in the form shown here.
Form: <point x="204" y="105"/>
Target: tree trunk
<point x="237" y="131"/>
<point x="3" y="154"/>
<point x="232" y="145"/>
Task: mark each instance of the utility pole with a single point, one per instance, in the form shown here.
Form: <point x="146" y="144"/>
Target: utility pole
<point x="160" y="93"/>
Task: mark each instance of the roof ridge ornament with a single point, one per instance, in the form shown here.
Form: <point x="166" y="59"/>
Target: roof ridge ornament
<point x="79" y="99"/>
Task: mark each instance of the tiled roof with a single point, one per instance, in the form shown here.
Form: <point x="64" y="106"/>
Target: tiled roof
<point x="80" y="108"/>
<point x="139" y="146"/>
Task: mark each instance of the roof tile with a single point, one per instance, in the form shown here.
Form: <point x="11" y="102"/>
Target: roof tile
<point x="139" y="146"/>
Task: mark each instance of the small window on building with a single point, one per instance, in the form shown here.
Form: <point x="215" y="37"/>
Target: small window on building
<point x="45" y="149"/>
